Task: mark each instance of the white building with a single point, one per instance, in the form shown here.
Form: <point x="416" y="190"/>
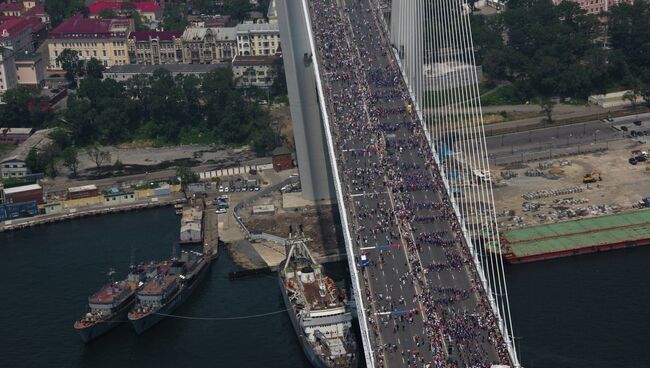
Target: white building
<point x="254" y="71"/>
<point x="8" y="74"/>
<point x="258" y="38"/>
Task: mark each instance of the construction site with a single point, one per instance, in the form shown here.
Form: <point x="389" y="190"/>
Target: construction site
<point x="571" y="187"/>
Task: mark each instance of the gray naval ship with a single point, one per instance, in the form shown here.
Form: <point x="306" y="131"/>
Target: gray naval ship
<point x="167" y="287"/>
<point x="318" y="309"/>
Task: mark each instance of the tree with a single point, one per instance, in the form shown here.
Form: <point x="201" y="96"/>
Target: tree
<point x="58" y="10"/>
<point x="98" y="156"/>
<point x="238" y="9"/>
<point x="547" y="108"/>
<point x="34" y="162"/>
<point x="118" y="165"/>
<point x="69" y="61"/>
<point x="186" y="174"/>
<point x="70" y="156"/>
<point x="107" y="14"/>
<point x="632" y="96"/>
<point x="138" y="22"/>
<point x="94" y="69"/>
<point x="173" y="18"/>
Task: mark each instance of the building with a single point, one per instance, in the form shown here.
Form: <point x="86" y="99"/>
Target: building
<point x="609" y="100"/>
<point x="209" y="45"/>
<point x="12" y="9"/>
<point x="282" y="158"/>
<point x="8" y="75"/>
<point x="25" y="193"/>
<point x="97" y="7"/>
<point x="39" y="12"/>
<point x="14" y="166"/>
<point x="14" y="135"/>
<point x="84" y="191"/>
<point x="148" y="10"/>
<point x="191" y="226"/>
<point x="154" y="48"/>
<point x="258" y="38"/>
<point x="254" y="71"/>
<point x="596" y="6"/>
<point x="30" y="69"/>
<point x="122" y="73"/>
<point x="102" y="39"/>
<point x="118" y="197"/>
<point x="16" y="34"/>
<point x="210" y="21"/>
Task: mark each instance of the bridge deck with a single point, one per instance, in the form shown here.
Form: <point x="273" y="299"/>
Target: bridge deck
<point x="424" y="302"/>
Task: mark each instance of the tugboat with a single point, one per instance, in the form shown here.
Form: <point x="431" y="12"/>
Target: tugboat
<point x="169" y="285"/>
<point x="318" y="309"/>
<point x="110" y="305"/>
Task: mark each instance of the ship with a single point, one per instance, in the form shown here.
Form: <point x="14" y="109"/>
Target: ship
<point x="167" y="287"/>
<point x="110" y="305"/>
<point x="318" y="309"/>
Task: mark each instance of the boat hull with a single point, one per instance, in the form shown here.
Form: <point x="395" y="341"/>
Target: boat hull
<point x="97" y="329"/>
<point x="309" y="352"/>
<point x="142" y="324"/>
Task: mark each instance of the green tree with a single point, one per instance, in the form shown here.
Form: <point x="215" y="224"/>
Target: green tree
<point x="238" y="9"/>
<point x="186" y="174"/>
<point x="107" y="14"/>
<point x="34" y="162"/>
<point x="58" y="10"/>
<point x="173" y="18"/>
<point x="95" y="68"/>
<point x="70" y="157"/>
<point x="69" y="61"/>
<point x="547" y="108"/>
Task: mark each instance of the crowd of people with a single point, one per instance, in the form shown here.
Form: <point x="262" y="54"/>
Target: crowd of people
<point x="397" y="200"/>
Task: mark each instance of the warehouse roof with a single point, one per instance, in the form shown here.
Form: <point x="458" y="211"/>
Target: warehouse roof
<point x="24" y="188"/>
<point x="578" y="234"/>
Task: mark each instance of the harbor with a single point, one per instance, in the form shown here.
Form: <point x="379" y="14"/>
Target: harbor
<point x="575" y="286"/>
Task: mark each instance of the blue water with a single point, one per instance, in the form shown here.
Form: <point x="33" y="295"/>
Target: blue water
<point x="590" y="311"/>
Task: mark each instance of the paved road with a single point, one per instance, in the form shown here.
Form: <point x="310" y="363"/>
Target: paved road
<point x="423" y="302"/>
<point x="551" y="138"/>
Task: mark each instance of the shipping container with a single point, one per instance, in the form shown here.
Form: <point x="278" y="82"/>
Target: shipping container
<point x="3" y="216"/>
<point x="17" y="210"/>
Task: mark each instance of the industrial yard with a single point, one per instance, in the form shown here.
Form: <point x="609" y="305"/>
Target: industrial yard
<point x="547" y="191"/>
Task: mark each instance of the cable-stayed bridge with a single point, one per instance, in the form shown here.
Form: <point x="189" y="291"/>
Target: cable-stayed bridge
<point x="400" y="121"/>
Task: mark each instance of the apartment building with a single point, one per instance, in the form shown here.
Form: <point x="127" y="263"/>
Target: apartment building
<point x="254" y="71"/>
<point x="153" y="48"/>
<point x="596" y="6"/>
<point x="258" y="38"/>
<point x="209" y="45"/>
<point x="102" y="39"/>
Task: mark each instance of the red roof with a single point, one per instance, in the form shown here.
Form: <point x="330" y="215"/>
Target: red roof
<point x="13" y="26"/>
<point x="147" y="6"/>
<point x="97" y="7"/>
<point x="79" y="27"/>
<point x="163" y="35"/>
<point x="12" y="6"/>
<point x="36" y="10"/>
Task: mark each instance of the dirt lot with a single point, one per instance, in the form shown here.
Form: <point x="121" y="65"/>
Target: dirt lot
<point x="622" y="186"/>
<point x="320" y="223"/>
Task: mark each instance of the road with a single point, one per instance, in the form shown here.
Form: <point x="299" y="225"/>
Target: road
<point x="423" y="302"/>
<point x="551" y="138"/>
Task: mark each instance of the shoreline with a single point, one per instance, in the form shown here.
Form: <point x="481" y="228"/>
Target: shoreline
<point x="54" y="218"/>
